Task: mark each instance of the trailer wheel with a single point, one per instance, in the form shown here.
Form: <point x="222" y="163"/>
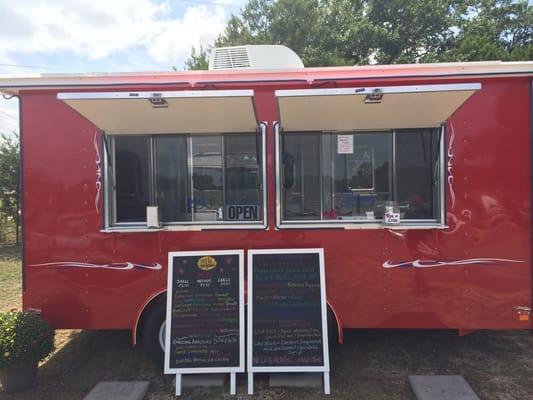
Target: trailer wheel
<point x="333" y="330"/>
<point x="153" y="334"/>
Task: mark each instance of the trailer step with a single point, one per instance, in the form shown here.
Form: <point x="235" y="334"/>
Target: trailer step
<point x="441" y="387"/>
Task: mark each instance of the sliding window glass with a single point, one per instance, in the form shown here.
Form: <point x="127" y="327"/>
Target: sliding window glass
<point x="172" y="178"/>
<point x="416" y="173"/>
<point x="243" y="186"/>
<point x="207" y="178"/>
<point x="195" y="179"/>
<point x="301" y="176"/>
<point x="330" y="177"/>
<point x="132" y="177"/>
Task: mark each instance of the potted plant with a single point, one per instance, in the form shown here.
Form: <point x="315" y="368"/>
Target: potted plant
<point x="25" y="339"/>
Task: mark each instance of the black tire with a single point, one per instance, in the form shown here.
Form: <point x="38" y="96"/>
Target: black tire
<point x="333" y="330"/>
<point x="150" y="334"/>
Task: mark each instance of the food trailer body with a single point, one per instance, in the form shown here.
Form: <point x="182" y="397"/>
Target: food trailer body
<point x="294" y="158"/>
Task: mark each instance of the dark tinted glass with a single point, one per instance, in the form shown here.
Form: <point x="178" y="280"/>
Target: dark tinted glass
<point x="416" y="158"/>
<point x="207" y="178"/>
<point x="131" y="175"/>
<point x="243" y="177"/>
<point x="301" y="176"/>
<point x="172" y="178"/>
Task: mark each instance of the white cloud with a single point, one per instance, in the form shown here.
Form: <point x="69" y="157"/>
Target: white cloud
<point x="9" y="115"/>
<point x="110" y="34"/>
<point x="98" y="28"/>
<point x="174" y="39"/>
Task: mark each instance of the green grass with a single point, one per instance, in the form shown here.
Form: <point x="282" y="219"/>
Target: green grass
<point x="8" y="232"/>
<point x="10" y="278"/>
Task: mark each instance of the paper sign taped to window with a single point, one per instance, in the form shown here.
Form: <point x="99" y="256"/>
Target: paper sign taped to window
<point x="391" y="217"/>
<point x="345" y="144"/>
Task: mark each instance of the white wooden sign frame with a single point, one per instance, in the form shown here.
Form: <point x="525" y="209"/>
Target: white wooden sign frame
<point x="312" y="368"/>
<point x="206" y="370"/>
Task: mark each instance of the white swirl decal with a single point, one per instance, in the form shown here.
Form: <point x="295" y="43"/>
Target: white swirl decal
<point x="450" y="166"/>
<point x="117" y="266"/>
<point x="98" y="173"/>
<point x="432" y="263"/>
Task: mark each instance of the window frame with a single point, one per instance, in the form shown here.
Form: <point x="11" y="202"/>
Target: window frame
<point x="440" y="200"/>
<point x="109" y="193"/>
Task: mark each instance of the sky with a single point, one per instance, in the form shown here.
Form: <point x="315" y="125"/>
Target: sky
<point x="75" y="36"/>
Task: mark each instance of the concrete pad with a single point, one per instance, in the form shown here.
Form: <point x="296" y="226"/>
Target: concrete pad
<point x="441" y="387"/>
<point x="300" y="380"/>
<point x="200" y="380"/>
<point x="134" y="390"/>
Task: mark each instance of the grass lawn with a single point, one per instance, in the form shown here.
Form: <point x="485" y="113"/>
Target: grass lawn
<point x="10" y="278"/>
<point x="371" y="365"/>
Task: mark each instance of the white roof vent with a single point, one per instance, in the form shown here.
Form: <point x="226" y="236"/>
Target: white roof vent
<point x="254" y="57"/>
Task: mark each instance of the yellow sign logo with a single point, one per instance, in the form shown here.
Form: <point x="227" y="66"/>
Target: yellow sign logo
<point x="207" y="263"/>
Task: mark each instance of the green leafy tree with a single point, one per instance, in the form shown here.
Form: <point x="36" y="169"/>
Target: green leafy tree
<point x="198" y="58"/>
<point x="409" y="31"/>
<point x="347" y="32"/>
<point x="494" y="30"/>
<point x="9" y="184"/>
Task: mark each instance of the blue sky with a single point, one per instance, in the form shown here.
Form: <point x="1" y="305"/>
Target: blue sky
<point x="65" y="36"/>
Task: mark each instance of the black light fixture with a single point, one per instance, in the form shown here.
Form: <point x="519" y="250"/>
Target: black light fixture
<point x="157" y="101"/>
<point x="374" y="97"/>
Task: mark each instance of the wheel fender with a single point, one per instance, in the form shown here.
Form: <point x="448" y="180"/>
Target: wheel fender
<point x="153" y="297"/>
<point x="340" y="325"/>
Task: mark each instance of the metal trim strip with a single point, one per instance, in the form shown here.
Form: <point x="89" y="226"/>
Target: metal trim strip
<point x="384" y="89"/>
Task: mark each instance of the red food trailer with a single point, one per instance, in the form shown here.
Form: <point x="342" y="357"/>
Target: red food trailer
<point x="414" y="179"/>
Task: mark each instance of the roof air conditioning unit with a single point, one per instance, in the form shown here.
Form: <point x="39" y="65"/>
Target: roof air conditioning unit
<point x="254" y="57"/>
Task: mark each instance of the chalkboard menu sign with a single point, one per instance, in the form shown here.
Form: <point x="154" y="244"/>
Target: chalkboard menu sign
<point x="287" y="328"/>
<point x="205" y="312"/>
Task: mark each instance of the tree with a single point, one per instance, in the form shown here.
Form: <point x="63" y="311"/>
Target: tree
<point x="495" y="30"/>
<point x="347" y="32"/>
<point x="198" y="59"/>
<point x="265" y="22"/>
<point x="9" y="183"/>
<point x="411" y="31"/>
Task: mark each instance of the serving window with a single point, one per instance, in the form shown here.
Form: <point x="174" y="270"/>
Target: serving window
<point x="193" y="179"/>
<point x="196" y="155"/>
<point x="356" y="155"/>
<point x="350" y="177"/>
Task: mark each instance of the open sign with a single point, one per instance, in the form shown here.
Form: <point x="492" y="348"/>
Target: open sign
<point x="242" y="213"/>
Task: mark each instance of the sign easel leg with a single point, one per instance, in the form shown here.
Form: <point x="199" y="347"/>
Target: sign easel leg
<point x="232" y="383"/>
<point x="326" y="383"/>
<point x="250" y="383"/>
<point x="178" y="384"/>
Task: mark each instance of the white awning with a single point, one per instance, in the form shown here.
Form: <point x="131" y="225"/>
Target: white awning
<point x="390" y="107"/>
<point x="206" y="111"/>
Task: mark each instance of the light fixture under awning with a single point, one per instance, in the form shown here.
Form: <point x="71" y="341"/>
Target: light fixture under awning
<point x="390" y="107"/>
<point x="206" y="111"/>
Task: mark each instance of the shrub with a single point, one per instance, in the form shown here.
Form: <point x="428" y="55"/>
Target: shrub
<point x="25" y="338"/>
